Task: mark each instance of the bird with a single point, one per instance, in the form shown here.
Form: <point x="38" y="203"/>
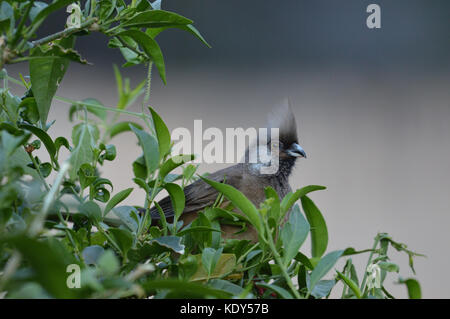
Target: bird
<point x="245" y="176"/>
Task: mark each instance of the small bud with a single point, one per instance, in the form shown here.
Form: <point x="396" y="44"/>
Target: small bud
<point x="74" y="20"/>
<point x="29" y="148"/>
<point x="374" y="277"/>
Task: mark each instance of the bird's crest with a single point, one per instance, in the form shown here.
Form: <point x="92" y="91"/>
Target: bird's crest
<point x="283" y="118"/>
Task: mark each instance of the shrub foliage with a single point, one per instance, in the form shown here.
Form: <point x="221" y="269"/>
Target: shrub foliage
<point x="60" y="217"/>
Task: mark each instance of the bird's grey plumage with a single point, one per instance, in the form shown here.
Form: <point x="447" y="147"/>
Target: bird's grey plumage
<point x="242" y="176"/>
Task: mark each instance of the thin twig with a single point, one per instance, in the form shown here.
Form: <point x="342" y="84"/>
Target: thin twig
<point x="64" y="33"/>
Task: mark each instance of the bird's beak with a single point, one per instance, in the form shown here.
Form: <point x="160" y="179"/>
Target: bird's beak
<point x="296" y="151"/>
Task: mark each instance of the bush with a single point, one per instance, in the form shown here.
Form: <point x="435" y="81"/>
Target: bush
<point x="51" y="247"/>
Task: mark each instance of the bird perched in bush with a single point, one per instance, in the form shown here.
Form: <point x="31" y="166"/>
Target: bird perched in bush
<point x="247" y="177"/>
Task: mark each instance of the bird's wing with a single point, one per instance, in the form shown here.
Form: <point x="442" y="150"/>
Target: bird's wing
<point x="199" y="194"/>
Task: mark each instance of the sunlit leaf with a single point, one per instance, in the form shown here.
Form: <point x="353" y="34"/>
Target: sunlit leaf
<point x="150" y="47"/>
<point x="413" y="286"/>
<point x="149" y="145"/>
<point x="323" y="267"/>
<point x="240" y="201"/>
<point x="293" y="234"/>
<point x="319" y="232"/>
<point x="116" y="199"/>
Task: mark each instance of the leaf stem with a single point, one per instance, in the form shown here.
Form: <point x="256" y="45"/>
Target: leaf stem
<point x="142" y="116"/>
<point x="110" y="109"/>
<point x="10" y="268"/>
<point x="110" y="240"/>
<point x="21" y="23"/>
<point x="279" y="261"/>
<point x="37" y="223"/>
<point x="63" y="33"/>
<point x="375" y="244"/>
<point x="129" y="46"/>
<point x="36" y="166"/>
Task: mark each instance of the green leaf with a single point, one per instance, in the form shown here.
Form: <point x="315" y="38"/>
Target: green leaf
<point x="120" y="196"/>
<point x="47" y="264"/>
<point x="106" y="8"/>
<point x="122" y="127"/>
<point x="29" y="290"/>
<point x="171" y="242"/>
<point x="323" y="267"/>
<point x="177" y="197"/>
<point x="119" y="83"/>
<point x="210" y="257"/>
<point x="173" y="163"/>
<point x="61" y="141"/>
<point x="153" y="32"/>
<point x="291" y="198"/>
<point x="91" y="254"/>
<point x="351" y="284"/>
<point x="142" y="184"/>
<point x="44" y="137"/>
<point x="91" y="210"/>
<point x="224" y="265"/>
<point x="240" y="201"/>
<point x="389" y="266"/>
<point x="414" y="291"/>
<point x="216" y="212"/>
<point x="149" y="145"/>
<point x="108" y="263"/>
<point x="90" y="104"/>
<point x="10" y="129"/>
<point x="56" y="51"/>
<point x="127" y="97"/>
<point x="191" y="29"/>
<point x="162" y="133"/>
<point x="352" y="251"/>
<point x="86" y="175"/>
<point x="30" y="111"/>
<point x="108" y="153"/>
<point x="98" y="190"/>
<point x="196" y="229"/>
<point x="227" y="286"/>
<point x="10" y="105"/>
<point x="275" y="206"/>
<point x="84" y="139"/>
<point x="46" y="73"/>
<point x="129" y="216"/>
<point x="200" y="239"/>
<point x="6" y="12"/>
<point x="11" y="143"/>
<point x="304" y="260"/>
<point x="322" y="288"/>
<point x="319" y="232"/>
<point x="150" y="47"/>
<point x="156" y="18"/>
<point x="123" y="238"/>
<point x="185" y="289"/>
<point x="156" y="247"/>
<point x="46" y="169"/>
<point x="293" y="234"/>
<point x="283" y="293"/>
<point x="38" y="6"/>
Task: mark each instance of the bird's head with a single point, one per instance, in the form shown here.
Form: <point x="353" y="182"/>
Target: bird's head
<point x="282" y="142"/>
<point x="287" y="143"/>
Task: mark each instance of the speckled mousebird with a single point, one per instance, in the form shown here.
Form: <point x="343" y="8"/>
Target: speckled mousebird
<point x="245" y="176"/>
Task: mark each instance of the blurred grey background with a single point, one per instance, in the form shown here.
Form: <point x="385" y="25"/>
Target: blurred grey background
<point x="373" y="108"/>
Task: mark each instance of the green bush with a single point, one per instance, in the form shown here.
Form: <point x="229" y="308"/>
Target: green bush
<point x="52" y="218"/>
